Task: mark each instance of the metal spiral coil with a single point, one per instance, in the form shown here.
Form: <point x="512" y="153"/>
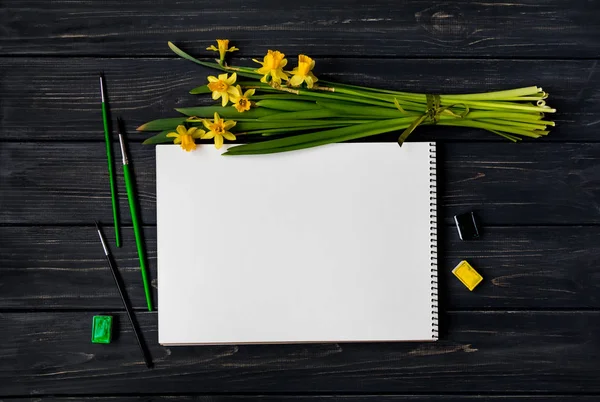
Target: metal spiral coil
<point x="433" y="240"/>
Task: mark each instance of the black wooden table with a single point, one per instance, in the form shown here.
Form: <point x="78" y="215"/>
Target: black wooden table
<point x="530" y="332"/>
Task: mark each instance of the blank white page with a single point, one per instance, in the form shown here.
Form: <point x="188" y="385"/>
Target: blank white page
<point x="325" y="244"/>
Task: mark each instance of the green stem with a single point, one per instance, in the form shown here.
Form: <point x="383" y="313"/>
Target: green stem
<point x="489" y="126"/>
<point x="528" y="126"/>
<point x="181" y="53"/>
<point x="493" y="95"/>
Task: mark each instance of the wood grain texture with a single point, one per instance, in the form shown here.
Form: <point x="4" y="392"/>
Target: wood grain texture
<point x="548" y="28"/>
<point x="529" y="332"/>
<point x="508" y="184"/>
<point x="491" y="352"/>
<point x="317" y="398"/>
<point x="524" y="268"/>
<point x="58" y="98"/>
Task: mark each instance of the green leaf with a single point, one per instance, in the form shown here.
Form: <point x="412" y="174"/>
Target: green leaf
<point x="257" y="85"/>
<point x="162" y="124"/>
<point x="288" y="105"/>
<point x="228" y="112"/>
<point x="509" y="137"/>
<point x="245" y="126"/>
<point x="348" y="109"/>
<point x="419" y="120"/>
<point x="283" y="96"/>
<point x="159" y="138"/>
<point x="321" y="137"/>
<point x="303" y="115"/>
<point x="186" y="56"/>
<point x="200" y="90"/>
<point x="278" y="131"/>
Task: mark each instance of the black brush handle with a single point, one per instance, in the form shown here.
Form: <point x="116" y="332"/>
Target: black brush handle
<point x="125" y="299"/>
<point x="129" y="309"/>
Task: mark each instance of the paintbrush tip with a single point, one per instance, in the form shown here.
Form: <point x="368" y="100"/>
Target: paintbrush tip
<point x="102" y="86"/>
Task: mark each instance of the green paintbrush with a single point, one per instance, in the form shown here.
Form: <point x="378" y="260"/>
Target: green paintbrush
<point x="137" y="229"/>
<point x="111" y="167"/>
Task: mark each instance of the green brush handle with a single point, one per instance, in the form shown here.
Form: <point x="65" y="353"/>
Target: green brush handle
<point x="111" y="175"/>
<point x="138" y="233"/>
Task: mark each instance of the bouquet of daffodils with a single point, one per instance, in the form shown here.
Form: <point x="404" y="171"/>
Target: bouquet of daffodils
<point x="293" y="109"/>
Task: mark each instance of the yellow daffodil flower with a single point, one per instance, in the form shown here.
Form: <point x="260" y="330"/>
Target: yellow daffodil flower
<point x="272" y="66"/>
<point x="303" y="72"/>
<point x="186" y="137"/>
<point x="218" y="130"/>
<point x="222" y="87"/>
<point x="241" y="101"/>
<point x="222" y="48"/>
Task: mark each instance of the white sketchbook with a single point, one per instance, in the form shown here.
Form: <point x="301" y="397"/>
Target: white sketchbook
<point x="329" y="244"/>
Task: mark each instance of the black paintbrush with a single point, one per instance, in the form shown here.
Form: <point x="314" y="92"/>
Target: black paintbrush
<point x="125" y="299"/>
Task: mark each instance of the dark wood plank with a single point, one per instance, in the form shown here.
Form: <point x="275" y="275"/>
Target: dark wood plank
<point x="533" y="183"/>
<point x="547" y="28"/>
<point x="530" y="268"/>
<point x="318" y="398"/>
<point x="491" y="352"/>
<point x="57" y="98"/>
<point x="64" y="267"/>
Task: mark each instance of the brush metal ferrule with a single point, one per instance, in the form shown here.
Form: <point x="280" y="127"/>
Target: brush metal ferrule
<point x="123" y="152"/>
<point x="102" y="87"/>
<point x="102" y="239"/>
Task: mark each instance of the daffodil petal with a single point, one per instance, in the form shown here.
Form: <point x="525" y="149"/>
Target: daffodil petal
<point x="231" y="80"/>
<point x="171" y="135"/>
<point x="249" y="93"/>
<point x="212" y="78"/>
<point x="229" y="136"/>
<point x="198" y="134"/>
<point x="177" y="140"/>
<point x="225" y="99"/>
<point x="223" y="77"/>
<point x="309" y="81"/>
<point x="206" y="123"/>
<point x="296" y="80"/>
<point x="208" y="135"/>
<point x="218" y="141"/>
<point x="216" y="95"/>
<point x="263" y="70"/>
<point x="228" y="124"/>
<point x="213" y="48"/>
<point x="181" y="130"/>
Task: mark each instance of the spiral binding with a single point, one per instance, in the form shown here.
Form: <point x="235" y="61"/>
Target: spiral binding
<point x="433" y="240"/>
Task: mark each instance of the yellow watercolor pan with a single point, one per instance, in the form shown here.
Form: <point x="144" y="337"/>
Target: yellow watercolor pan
<point x="467" y="275"/>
